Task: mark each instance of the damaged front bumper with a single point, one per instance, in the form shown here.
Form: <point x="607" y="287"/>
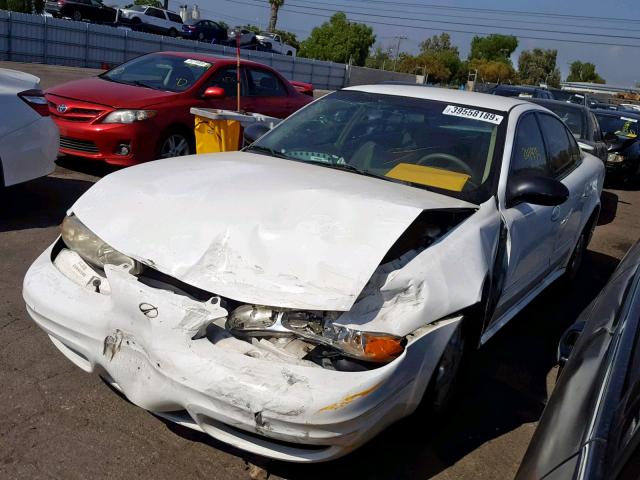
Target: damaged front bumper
<point x="141" y="339"/>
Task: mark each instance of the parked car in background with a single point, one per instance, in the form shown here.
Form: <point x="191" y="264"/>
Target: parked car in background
<point x="151" y="19"/>
<point x="139" y="111"/>
<point x="204" y="31"/>
<point x="582" y="123"/>
<point x="247" y="37"/>
<point x="295" y="298"/>
<point x="632" y="106"/>
<point x="623" y="160"/>
<point x="589" y="428"/>
<point x="28" y="136"/>
<point x="522" y="91"/>
<point x="92" y="10"/>
<point x="303" y="87"/>
<point x="274" y="42"/>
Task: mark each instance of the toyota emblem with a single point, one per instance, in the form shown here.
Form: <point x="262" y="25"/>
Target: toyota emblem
<point x="62" y="108"/>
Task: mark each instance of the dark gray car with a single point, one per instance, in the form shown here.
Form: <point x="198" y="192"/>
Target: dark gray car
<point x="582" y="123"/>
<point x="590" y="427"/>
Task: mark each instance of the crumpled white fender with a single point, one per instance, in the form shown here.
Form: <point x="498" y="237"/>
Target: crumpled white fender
<point x="416" y="290"/>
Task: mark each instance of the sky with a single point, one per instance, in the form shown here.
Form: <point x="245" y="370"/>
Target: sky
<point x="620" y="19"/>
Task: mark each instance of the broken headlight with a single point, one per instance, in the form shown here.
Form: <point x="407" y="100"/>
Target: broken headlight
<point x="92" y="248"/>
<point x="317" y="327"/>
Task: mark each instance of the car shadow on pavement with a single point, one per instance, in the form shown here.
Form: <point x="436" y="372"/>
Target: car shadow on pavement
<point x="609" y="207"/>
<point x="506" y="388"/>
<point x="39" y="203"/>
<point x="88" y="167"/>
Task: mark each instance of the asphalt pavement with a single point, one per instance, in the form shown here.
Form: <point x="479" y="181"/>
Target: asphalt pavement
<point x="56" y="421"/>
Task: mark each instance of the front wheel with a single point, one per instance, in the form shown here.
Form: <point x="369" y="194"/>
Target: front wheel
<point x="448" y="373"/>
<point x="173" y="32"/>
<point x="575" y="262"/>
<point x="175" y="144"/>
<point x="77" y="16"/>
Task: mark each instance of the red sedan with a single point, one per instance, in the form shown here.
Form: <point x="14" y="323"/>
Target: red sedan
<point x="139" y="111"/>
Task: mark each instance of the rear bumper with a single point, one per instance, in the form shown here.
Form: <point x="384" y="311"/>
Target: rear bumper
<point x="100" y="141"/>
<point x="268" y="407"/>
<point x="29" y="152"/>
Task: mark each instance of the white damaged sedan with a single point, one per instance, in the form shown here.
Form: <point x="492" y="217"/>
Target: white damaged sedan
<point x="296" y="298"/>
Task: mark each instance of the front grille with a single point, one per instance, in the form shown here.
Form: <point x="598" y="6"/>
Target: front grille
<point x="78" y="145"/>
<point x="74" y="114"/>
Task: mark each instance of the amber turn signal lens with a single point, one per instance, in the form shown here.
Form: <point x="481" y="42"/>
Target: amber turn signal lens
<point x="382" y="348"/>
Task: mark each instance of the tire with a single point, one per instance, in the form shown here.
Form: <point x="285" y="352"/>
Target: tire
<point x="201" y="37"/>
<point x="449" y="372"/>
<point x="173" y="32"/>
<point x="176" y="143"/>
<point x="577" y="256"/>
<point x="77" y="16"/>
<point x="290" y="53"/>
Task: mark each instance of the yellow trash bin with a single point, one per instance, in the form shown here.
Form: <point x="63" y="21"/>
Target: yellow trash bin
<point x="217" y="135"/>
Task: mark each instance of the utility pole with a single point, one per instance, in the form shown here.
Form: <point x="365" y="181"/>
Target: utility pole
<point x="399" y="38"/>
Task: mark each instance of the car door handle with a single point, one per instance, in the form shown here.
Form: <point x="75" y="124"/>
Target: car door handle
<point x="555" y="214"/>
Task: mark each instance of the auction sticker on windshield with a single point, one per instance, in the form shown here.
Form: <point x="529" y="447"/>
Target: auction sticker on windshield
<point x="197" y="63"/>
<point x="473" y="114"/>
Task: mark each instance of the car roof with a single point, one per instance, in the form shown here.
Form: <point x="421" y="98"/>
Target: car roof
<point x="550" y="102"/>
<point x="474" y="99"/>
<point x="219" y="59"/>
<point x="616" y="113"/>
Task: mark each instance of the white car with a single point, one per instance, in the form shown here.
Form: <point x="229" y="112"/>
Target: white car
<point x="296" y="298"/>
<point x="29" y="138"/>
<point x="274" y="42"/>
<point x="151" y="19"/>
<point x="247" y="37"/>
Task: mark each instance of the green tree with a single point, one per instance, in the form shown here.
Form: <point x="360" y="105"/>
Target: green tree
<point x="438" y="52"/>
<point x="22" y="6"/>
<point x="427" y="64"/>
<point x="437" y="43"/>
<point x="273" y="17"/>
<point x="338" y="40"/>
<point x="539" y="66"/>
<point x="380" y="59"/>
<point x="223" y="24"/>
<point x="494" y="47"/>
<point x="495" y="71"/>
<point x="584" y="72"/>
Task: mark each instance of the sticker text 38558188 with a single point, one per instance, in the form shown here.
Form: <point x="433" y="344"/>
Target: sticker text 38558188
<point x="473" y="114"/>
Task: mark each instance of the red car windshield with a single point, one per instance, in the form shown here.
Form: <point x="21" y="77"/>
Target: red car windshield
<point x="160" y="72"/>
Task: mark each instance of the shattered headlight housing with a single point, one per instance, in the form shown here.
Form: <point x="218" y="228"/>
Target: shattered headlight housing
<point x="615" y="158"/>
<point x="92" y="248"/>
<point x="317" y="327"/>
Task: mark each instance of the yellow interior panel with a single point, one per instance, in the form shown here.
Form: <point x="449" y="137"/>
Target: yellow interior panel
<point x="430" y="176"/>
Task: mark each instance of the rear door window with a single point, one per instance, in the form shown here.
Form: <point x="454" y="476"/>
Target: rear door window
<point x="174" y="18"/>
<point x="560" y="148"/>
<point x="154" y="12"/>
<point x="261" y="83"/>
<point x="529" y="154"/>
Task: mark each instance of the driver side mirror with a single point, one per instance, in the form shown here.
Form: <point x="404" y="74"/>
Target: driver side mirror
<point x="214" y="93"/>
<point x="254" y="132"/>
<point x="610" y="137"/>
<point x="537" y="190"/>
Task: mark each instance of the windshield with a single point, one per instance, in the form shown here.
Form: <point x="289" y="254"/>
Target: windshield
<point x="435" y="145"/>
<point x="622" y="126"/>
<point x="571" y="116"/>
<point x="137" y="8"/>
<point x="160" y="72"/>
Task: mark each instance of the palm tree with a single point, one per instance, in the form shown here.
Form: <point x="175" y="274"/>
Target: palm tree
<point x="273" y="19"/>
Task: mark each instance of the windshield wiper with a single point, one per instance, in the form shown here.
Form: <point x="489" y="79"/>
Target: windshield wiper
<point x="139" y="83"/>
<point x="266" y="151"/>
<point x="350" y="168"/>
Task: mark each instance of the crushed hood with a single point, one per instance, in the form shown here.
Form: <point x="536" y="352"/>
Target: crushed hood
<point x="254" y="228"/>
